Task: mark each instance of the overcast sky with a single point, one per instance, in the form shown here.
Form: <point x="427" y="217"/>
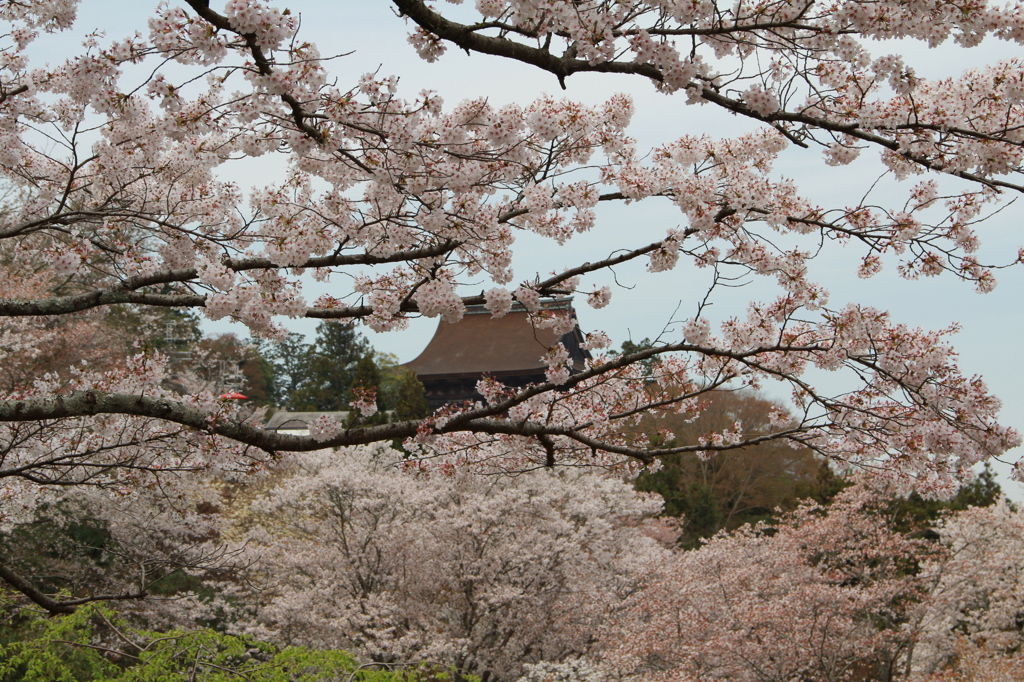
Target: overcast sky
<point x="644" y="305"/>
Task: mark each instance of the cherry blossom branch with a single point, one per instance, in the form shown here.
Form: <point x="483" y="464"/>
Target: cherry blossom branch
<point x="95" y="467"/>
<point x="467" y="38"/>
<point x="263" y="64"/>
<point x="90" y="403"/>
<point x="63" y="305"/>
<point x="858" y="132"/>
<point x="547" y="287"/>
<point x="125" y="292"/>
<point x="12" y="92"/>
<point x="94" y="402"/>
<point x="246" y="264"/>
<point x="543" y="433"/>
<point x="479" y="419"/>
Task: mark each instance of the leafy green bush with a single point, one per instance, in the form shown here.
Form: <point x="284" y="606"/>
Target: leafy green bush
<point x="94" y="645"/>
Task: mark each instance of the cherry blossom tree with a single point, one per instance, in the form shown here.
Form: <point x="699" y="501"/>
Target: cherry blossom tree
<point x="115" y="166"/>
<point x="33" y="346"/>
<point x="825" y="594"/>
<point x="972" y="621"/>
<point x="483" y="573"/>
<point x="148" y="489"/>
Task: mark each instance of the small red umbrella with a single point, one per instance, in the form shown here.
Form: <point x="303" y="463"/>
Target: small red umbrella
<point x="234" y="395"/>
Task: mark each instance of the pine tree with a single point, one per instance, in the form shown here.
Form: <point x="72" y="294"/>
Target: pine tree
<point x="329" y="369"/>
<point x="290" y="360"/>
<point x="410" y="401"/>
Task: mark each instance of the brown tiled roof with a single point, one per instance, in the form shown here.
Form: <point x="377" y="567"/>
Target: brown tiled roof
<point x="480" y="344"/>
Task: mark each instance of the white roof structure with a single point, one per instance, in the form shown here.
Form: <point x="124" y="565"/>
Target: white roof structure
<point x="297" y="423"/>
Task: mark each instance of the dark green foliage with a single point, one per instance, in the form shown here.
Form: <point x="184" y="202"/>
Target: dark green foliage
<point x="917" y="515"/>
<point x="701" y="509"/>
<point x="982" y="491"/>
<point x="326" y="377"/>
<point x="821" y="487"/>
<point x="58" y="552"/>
<point x="91" y="539"/>
<point x="410" y="401"/>
<point x="321" y="376"/>
<point x="289" y="360"/>
<point x="690" y="499"/>
<point x="92" y="645"/>
<point x="366" y="377"/>
<point x="629" y="347"/>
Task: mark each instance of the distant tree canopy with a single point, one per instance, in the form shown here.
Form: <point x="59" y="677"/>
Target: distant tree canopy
<point x="914" y="514"/>
<point x="321" y="376"/>
<point x="328" y="368"/>
<point x="755" y="483"/>
<point x="733" y="487"/>
<point x="629" y="347"/>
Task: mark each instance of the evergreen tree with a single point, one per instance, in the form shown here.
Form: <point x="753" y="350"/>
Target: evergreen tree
<point x="400" y="390"/>
<point x="290" y="361"/>
<point x="410" y="399"/>
<point x="326" y="376"/>
<point x="630" y="347"/>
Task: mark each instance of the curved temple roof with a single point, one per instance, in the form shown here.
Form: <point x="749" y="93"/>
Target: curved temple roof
<point x="481" y="344"/>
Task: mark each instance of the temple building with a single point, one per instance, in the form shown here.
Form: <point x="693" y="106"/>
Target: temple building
<point x="507" y="349"/>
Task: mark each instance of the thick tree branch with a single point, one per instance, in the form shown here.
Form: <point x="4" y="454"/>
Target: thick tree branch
<point x="12" y="92"/>
<point x="61" y="305"/>
<point x="22" y="585"/>
<point x="562" y="67"/>
<point x="84" y="403"/>
<point x="125" y="292"/>
<point x="469" y="40"/>
<point x="337" y="260"/>
<point x="57" y="607"/>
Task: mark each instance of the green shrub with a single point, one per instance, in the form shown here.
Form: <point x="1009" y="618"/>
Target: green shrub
<point x="94" y="645"/>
